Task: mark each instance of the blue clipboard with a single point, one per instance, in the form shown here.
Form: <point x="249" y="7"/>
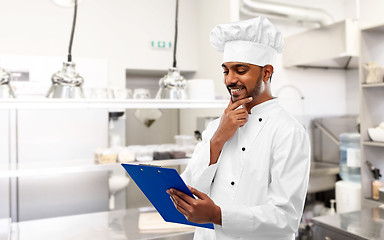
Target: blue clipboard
<point x="154" y="182"/>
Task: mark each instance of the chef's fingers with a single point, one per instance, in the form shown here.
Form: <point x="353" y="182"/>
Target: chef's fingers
<point x="173" y="201"/>
<point x="240" y="113"/>
<point x="198" y="194"/>
<point x="239" y="103"/>
<point x="238" y="118"/>
<point x="178" y="202"/>
<point x="230" y="103"/>
<point x="182" y="206"/>
<point x="188" y="199"/>
<point x="179" y="208"/>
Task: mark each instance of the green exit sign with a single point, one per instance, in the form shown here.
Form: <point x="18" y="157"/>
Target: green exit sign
<point x="161" y="44"/>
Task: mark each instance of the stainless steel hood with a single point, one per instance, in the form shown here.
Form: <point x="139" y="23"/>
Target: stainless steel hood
<point x="333" y="46"/>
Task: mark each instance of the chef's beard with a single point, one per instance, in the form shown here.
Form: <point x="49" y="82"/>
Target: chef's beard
<point x="256" y="91"/>
<point x="234" y="85"/>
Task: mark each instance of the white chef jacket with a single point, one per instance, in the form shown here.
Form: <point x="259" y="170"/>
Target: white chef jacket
<point x="260" y="179"/>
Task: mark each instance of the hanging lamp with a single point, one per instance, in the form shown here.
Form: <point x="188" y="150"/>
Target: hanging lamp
<point x="172" y="85"/>
<point x="6" y="90"/>
<point x="67" y="83"/>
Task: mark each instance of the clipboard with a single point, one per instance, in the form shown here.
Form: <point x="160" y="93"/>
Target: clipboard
<point x="154" y="182"/>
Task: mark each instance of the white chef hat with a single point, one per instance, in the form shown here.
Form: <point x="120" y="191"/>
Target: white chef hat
<point x="255" y="41"/>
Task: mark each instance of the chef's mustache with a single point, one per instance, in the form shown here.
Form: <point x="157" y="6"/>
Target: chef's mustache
<point x="234" y="85"/>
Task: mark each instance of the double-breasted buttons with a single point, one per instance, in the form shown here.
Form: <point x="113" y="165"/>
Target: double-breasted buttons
<point x="243" y="149"/>
<point x="232" y="183"/>
<point x="260" y="119"/>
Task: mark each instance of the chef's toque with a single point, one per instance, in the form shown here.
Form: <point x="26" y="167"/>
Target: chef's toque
<point x="255" y="41"/>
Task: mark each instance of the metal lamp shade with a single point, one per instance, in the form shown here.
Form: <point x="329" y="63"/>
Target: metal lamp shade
<point x="66" y="83"/>
<point x="172" y="85"/>
<point x="6" y="90"/>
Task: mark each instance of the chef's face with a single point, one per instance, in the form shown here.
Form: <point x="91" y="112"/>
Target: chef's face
<point x="243" y="80"/>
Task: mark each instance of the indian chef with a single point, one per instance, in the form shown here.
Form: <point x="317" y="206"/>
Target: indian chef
<point x="250" y="172"/>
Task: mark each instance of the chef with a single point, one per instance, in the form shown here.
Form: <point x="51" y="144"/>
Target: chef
<point x="250" y="172"/>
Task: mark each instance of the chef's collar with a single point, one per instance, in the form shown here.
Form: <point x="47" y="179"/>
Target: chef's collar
<point x="264" y="106"/>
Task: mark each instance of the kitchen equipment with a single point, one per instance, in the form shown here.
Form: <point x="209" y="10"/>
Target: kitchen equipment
<point x="375" y="72"/>
<point x="117" y="125"/>
<point x="141" y="93"/>
<point x="322" y="177"/>
<point x="172" y="85"/>
<point x="348" y="196"/>
<point x="6" y="90"/>
<point x="116" y="183"/>
<point x="342" y="36"/>
<point x="108" y="156"/>
<point x="326" y="151"/>
<point x="200" y="89"/>
<point x="127" y="154"/>
<point x="144" y="153"/>
<point x="376" y="183"/>
<point x="121" y="93"/>
<point x="67" y="83"/>
<point x="178" y="152"/>
<point x="145" y="116"/>
<point x="350" y="157"/>
<point x="148" y="116"/>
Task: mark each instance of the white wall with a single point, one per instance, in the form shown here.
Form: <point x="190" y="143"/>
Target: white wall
<point x="119" y="32"/>
<point x="371" y="12"/>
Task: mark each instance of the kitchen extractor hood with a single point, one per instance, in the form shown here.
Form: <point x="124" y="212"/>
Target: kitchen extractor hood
<point x="285" y="11"/>
<point x="332" y="46"/>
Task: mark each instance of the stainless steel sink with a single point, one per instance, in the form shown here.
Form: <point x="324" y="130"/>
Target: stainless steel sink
<point x="322" y="177"/>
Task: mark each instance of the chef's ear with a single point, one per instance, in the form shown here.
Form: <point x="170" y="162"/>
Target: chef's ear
<point x="267" y="72"/>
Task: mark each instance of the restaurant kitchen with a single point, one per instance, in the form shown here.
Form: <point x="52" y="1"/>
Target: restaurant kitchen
<point x="60" y="156"/>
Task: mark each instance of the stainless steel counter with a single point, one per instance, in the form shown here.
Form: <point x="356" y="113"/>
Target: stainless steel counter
<point x="116" y="225"/>
<point x="364" y="224"/>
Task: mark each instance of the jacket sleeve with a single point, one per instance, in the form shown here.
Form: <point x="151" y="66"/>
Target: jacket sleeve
<point x="198" y="173"/>
<point x="280" y="216"/>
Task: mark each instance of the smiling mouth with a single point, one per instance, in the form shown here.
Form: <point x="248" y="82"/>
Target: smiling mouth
<point x="235" y="90"/>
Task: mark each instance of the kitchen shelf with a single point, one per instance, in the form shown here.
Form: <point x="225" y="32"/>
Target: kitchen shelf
<point x="372" y="85"/>
<point x="371" y="109"/>
<point x="73" y="166"/>
<point x="110" y="104"/>
<point x="375" y="144"/>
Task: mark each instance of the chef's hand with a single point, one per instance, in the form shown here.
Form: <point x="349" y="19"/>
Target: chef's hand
<point x="233" y="118"/>
<point x="201" y="210"/>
